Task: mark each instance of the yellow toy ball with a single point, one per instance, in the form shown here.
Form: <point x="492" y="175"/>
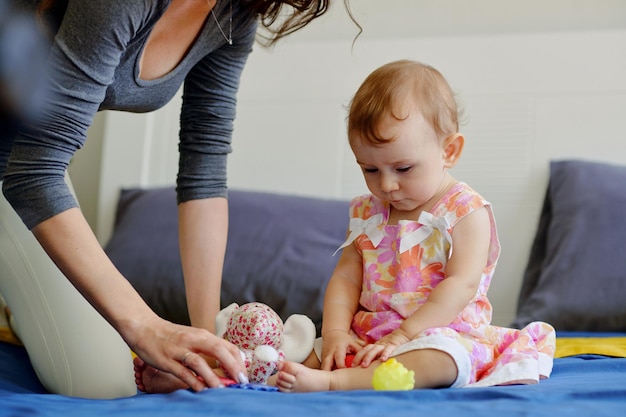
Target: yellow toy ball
<point x="391" y="375"/>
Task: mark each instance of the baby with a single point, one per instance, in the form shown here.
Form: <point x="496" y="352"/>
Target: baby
<point x="412" y="279"/>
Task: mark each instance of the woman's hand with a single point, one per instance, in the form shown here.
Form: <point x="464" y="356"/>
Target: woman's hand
<point x="179" y="350"/>
<point x="336" y="344"/>
<point x="382" y="349"/>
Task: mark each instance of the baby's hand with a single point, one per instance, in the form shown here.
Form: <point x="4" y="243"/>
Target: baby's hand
<point x="336" y="345"/>
<point x="382" y="349"/>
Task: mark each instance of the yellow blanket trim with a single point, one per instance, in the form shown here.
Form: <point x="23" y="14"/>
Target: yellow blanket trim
<point x="6" y="335"/>
<point x="608" y="346"/>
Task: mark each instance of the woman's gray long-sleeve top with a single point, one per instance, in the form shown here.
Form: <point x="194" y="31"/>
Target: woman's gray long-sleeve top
<point x="94" y="65"/>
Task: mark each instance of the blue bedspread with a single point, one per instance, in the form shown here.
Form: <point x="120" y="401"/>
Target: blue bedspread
<point x="579" y="386"/>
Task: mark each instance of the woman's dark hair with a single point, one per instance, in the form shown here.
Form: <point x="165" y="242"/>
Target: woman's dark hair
<point x="49" y="15"/>
<point x="278" y="17"/>
<point x="299" y="14"/>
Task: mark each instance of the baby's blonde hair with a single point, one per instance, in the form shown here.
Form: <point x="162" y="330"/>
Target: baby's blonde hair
<point x="391" y="89"/>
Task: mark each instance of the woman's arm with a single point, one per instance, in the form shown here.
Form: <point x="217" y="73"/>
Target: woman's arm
<point x="208" y="113"/>
<point x="70" y="243"/>
<point x="203" y="228"/>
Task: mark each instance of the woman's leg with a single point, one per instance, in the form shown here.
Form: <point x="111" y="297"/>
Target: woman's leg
<point x="73" y="350"/>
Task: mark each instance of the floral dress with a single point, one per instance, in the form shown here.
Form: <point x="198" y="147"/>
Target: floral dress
<point x="403" y="263"/>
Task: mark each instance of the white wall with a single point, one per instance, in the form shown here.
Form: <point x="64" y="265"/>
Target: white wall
<point x="538" y="80"/>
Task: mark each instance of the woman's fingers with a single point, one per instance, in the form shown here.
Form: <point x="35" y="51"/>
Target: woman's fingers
<point x="183" y="352"/>
<point x="225" y="353"/>
<point x="186" y="372"/>
<point x="230" y="359"/>
<point x="197" y="373"/>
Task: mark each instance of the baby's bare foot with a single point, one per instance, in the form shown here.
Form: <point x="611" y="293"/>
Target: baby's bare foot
<point x="295" y="377"/>
<point x="153" y="381"/>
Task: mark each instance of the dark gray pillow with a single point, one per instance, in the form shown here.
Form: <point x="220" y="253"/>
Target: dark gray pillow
<point x="575" y="278"/>
<point x="279" y="250"/>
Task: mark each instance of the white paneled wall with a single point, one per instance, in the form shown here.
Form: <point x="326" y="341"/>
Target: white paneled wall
<point x="553" y="88"/>
<point x="528" y="98"/>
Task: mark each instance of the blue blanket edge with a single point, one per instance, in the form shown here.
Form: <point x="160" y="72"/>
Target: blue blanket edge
<point x="579" y="386"/>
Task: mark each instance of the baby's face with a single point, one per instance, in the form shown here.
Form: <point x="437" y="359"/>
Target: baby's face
<point x="408" y="170"/>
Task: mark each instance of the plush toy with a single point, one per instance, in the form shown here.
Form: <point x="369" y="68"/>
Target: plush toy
<point x="264" y="339"/>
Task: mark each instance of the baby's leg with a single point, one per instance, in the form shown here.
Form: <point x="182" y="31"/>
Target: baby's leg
<point x="433" y="369"/>
<point x="73" y="350"/>
<point x="312" y="361"/>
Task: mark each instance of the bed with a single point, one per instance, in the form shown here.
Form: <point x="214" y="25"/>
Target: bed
<point x="581" y="385"/>
<point x="574" y="279"/>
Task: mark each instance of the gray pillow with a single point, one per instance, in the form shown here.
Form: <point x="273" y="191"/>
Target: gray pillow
<point x="279" y="250"/>
<point x="144" y="247"/>
<point x="575" y="278"/>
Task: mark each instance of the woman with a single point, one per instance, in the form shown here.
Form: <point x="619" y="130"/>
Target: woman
<point x="132" y="56"/>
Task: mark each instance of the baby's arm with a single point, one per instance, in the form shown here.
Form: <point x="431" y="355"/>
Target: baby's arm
<point x="471" y="239"/>
<point x="341" y="302"/>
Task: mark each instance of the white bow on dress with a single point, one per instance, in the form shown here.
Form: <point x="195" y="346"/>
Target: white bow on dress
<point x="429" y="224"/>
<point x="369" y="226"/>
